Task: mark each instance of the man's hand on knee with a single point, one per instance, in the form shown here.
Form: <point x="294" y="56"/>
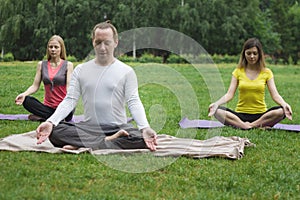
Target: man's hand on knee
<point x="43" y="131"/>
<point x="150" y="136"/>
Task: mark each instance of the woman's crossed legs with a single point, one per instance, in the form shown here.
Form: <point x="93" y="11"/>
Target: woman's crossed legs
<point x="248" y="121"/>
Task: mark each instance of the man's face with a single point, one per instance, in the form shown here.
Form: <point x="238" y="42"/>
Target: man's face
<point x="104" y="43"/>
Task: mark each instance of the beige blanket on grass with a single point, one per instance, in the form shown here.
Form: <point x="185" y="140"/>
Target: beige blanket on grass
<point x="218" y="146"/>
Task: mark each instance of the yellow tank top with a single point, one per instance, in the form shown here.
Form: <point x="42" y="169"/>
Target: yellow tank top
<point x="251" y="98"/>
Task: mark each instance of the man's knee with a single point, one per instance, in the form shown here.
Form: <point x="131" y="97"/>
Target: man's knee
<point x="56" y="135"/>
<point x="55" y="140"/>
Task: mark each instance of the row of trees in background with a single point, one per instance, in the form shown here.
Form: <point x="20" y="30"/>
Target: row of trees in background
<point x="220" y="26"/>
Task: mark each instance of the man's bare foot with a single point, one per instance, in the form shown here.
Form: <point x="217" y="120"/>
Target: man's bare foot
<point x="70" y="147"/>
<point x="120" y="133"/>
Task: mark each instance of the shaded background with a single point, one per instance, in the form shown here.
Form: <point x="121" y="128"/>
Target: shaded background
<point x="220" y="26"/>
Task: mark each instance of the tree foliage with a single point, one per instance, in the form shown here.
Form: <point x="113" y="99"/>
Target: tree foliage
<point x="220" y="26"/>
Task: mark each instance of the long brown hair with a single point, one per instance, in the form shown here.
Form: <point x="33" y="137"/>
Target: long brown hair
<point x="252" y="42"/>
<point x="63" y="54"/>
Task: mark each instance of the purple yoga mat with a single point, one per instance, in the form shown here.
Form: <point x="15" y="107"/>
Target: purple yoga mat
<point x="76" y="118"/>
<point x="14" y="117"/>
<point x="187" y="123"/>
<point x="288" y="127"/>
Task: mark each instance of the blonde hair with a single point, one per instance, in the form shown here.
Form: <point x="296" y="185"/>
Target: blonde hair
<point x="105" y="25"/>
<point x="63" y="54"/>
<point x="252" y="42"/>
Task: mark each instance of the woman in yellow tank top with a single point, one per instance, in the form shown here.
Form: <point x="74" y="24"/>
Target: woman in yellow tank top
<point x="251" y="77"/>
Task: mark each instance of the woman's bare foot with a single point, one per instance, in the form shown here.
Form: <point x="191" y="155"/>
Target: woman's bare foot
<point x="120" y="133"/>
<point x="248" y="125"/>
<point x="70" y="147"/>
<point x="265" y="128"/>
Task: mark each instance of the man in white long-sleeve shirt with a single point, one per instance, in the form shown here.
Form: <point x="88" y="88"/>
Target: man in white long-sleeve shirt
<point x="106" y="85"/>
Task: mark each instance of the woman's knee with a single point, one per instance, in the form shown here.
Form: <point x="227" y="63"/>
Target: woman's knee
<point x="26" y="101"/>
<point x="220" y="113"/>
<point x="29" y="102"/>
<point x="279" y="112"/>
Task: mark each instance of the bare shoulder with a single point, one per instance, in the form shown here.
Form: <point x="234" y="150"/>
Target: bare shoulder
<point x="39" y="66"/>
<point x="70" y="65"/>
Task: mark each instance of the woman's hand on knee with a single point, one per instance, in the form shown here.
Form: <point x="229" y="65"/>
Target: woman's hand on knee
<point x="212" y="109"/>
<point x="288" y="111"/>
<point x="20" y="99"/>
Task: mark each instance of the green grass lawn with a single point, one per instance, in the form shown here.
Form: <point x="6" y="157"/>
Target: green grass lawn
<point x="169" y="92"/>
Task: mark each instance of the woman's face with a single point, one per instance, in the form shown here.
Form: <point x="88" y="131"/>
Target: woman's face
<point x="252" y="55"/>
<point x="54" y="49"/>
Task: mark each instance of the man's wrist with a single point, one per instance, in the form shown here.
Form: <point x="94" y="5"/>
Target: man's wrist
<point x="144" y="128"/>
<point x="53" y="125"/>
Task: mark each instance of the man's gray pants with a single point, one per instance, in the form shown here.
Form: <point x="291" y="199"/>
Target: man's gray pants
<point x="93" y="136"/>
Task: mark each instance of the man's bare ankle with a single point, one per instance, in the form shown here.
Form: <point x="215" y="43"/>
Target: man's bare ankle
<point x="70" y="147"/>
